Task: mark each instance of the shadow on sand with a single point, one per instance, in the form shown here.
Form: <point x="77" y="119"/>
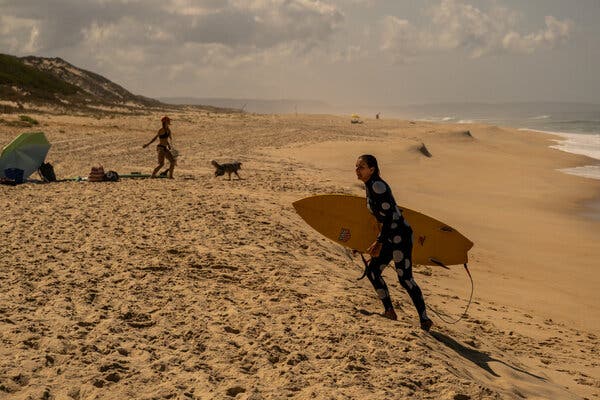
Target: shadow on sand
<point x="479" y="358"/>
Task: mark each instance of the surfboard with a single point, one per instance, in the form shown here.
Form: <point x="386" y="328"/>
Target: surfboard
<point x="139" y="176"/>
<point x="346" y="220"/>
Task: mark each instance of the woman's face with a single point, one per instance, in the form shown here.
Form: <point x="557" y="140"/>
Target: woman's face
<point x="363" y="171"/>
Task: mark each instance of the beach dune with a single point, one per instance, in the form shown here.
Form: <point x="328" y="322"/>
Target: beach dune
<point x="202" y="288"/>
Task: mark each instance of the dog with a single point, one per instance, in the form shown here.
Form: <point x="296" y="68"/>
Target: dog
<point x="229" y="168"/>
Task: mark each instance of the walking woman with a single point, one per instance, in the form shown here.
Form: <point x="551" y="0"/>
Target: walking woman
<point x="164" y="147"/>
<point x="393" y="243"/>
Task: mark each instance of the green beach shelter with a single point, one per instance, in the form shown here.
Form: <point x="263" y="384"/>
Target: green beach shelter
<point x="26" y="152"/>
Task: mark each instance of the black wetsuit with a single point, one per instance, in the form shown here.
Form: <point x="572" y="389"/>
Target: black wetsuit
<point x="396" y="240"/>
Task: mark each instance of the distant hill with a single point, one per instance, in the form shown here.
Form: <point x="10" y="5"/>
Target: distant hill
<point x="38" y="81"/>
<point x="261" y="106"/>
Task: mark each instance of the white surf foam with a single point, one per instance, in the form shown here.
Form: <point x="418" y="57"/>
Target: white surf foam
<point x="436" y="119"/>
<point x="584" y="144"/>
<point x="588" y="171"/>
<point x="578" y="143"/>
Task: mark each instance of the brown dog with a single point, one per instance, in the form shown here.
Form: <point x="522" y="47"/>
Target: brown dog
<point x="229" y="168"/>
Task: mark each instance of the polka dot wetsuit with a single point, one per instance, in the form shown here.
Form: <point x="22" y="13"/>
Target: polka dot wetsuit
<point x="396" y="240"/>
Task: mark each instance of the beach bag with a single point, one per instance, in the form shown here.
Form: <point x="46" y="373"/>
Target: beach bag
<point x="111" y="176"/>
<point x="96" y="174"/>
<point x="46" y="171"/>
<point x="15" y="174"/>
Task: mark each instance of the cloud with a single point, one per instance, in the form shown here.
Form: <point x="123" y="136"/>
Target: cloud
<point x="18" y="34"/>
<point x="176" y="40"/>
<point x="400" y="38"/>
<point x="166" y="46"/>
<point x="255" y="24"/>
<point x="456" y="25"/>
<point x="556" y="32"/>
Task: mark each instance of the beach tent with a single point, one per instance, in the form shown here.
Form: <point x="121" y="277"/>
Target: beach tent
<point x="26" y="152"/>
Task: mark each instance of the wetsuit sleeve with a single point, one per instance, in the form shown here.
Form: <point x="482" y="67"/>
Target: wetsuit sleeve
<point x="384" y="208"/>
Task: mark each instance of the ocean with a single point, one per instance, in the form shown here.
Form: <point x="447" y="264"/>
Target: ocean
<point x="578" y="129"/>
<point x="576" y="125"/>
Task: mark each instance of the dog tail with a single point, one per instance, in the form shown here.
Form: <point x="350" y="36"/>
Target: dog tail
<point x="214" y="163"/>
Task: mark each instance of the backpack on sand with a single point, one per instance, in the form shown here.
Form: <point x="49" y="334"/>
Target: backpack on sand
<point x="46" y="171"/>
<point x="111" y="176"/>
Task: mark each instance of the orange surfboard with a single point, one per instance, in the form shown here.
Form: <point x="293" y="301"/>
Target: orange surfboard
<point x="346" y="220"/>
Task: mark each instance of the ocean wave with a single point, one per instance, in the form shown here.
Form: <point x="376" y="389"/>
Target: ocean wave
<point x="588" y="171"/>
<point x="436" y="119"/>
<point x="577" y="143"/>
<point x="541" y="117"/>
<point x="584" y="144"/>
<point x="578" y="121"/>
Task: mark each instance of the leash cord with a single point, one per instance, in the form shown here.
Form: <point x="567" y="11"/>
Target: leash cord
<point x="464" y="314"/>
<point x="450" y="322"/>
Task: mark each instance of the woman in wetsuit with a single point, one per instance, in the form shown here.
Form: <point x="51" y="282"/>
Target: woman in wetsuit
<point x="163" y="148"/>
<point x="393" y="243"/>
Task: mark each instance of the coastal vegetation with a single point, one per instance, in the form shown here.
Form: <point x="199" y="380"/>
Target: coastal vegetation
<point x="39" y="84"/>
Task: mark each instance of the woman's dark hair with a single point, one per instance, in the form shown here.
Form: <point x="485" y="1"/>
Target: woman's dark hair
<point x="371" y="162"/>
<point x="164" y="121"/>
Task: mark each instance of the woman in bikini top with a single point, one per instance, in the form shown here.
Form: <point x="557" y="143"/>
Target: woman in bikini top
<point x="166" y="133"/>
<point x="163" y="148"/>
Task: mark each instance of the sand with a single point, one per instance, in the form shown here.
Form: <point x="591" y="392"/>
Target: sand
<point x="204" y="288"/>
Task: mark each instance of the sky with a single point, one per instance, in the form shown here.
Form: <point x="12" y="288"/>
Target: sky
<point x="376" y="52"/>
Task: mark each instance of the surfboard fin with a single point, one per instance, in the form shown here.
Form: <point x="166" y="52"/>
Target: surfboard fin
<point x="438" y="263"/>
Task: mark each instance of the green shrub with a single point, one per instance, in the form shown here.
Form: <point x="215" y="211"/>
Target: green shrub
<point x="14" y="72"/>
<point x="17" y="124"/>
<point x="28" y="119"/>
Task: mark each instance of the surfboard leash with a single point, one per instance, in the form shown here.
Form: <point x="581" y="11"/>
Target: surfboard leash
<point x="366" y="266"/>
<point x="450" y="322"/>
<point x="464" y="314"/>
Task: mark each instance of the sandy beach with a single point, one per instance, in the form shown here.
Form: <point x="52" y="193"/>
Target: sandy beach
<point x="205" y="288"/>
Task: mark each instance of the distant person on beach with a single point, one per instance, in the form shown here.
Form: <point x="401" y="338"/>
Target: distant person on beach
<point x="394" y="241"/>
<point x="163" y="148"/>
<point x="377" y="116"/>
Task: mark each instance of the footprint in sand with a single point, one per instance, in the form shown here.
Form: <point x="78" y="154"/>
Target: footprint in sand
<point x="137" y="320"/>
